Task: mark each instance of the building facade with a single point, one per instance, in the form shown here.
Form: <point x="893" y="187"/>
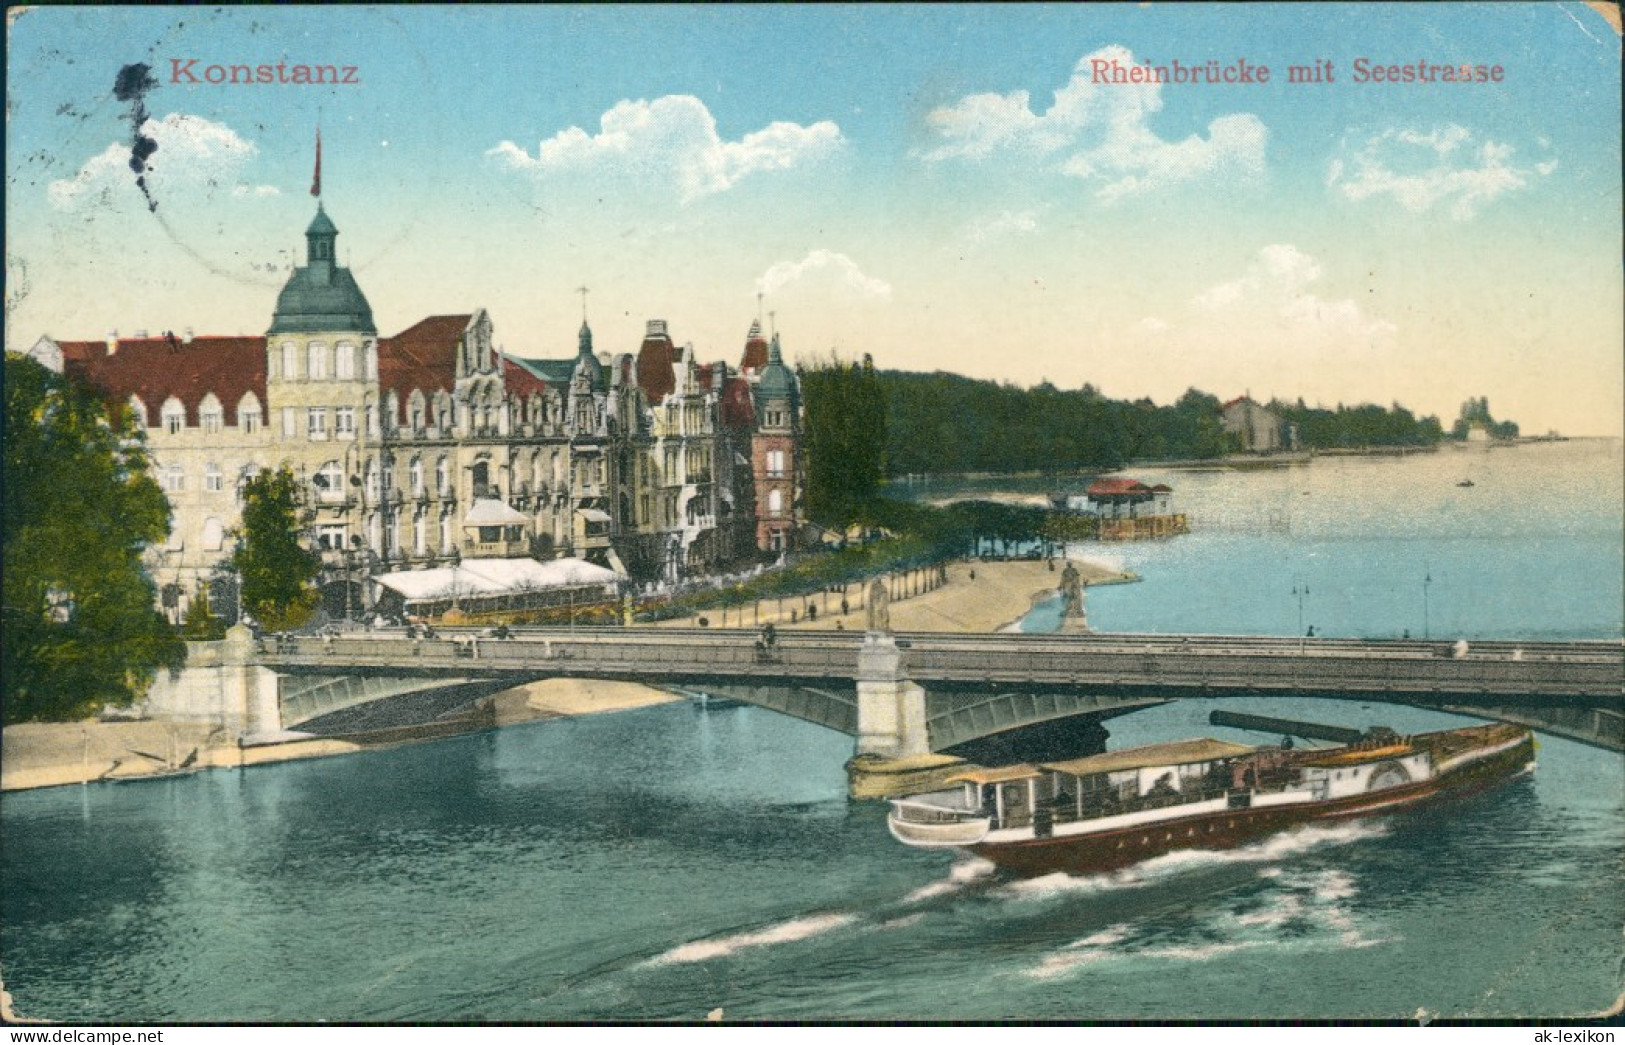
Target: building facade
<point x="1259" y="429"/>
<point x="433" y="445"/>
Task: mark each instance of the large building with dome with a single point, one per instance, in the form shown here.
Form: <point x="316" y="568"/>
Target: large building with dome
<point x="432" y="446"/>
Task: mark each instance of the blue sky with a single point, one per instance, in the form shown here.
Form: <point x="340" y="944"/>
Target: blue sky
<point x="877" y="174"/>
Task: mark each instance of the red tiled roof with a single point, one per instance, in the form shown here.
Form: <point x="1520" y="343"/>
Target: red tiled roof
<point x="516" y="380"/>
<point x="1233" y="402"/>
<point x="755" y="357"/>
<point x="738" y="407"/>
<point x="156" y="368"/>
<point x="423" y="356"/>
<point x="1109" y="487"/>
<point x="655" y="373"/>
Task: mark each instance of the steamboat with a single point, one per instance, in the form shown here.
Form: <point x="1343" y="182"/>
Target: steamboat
<point x="1107" y="811"/>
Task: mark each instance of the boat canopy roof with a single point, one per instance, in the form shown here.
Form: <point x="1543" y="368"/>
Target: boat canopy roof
<point x="1347" y="756"/>
<point x="996" y="775"/>
<point x="1176" y="753"/>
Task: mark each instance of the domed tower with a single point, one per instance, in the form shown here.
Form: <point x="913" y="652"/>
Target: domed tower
<point x="322" y="380"/>
<point x="776" y="452"/>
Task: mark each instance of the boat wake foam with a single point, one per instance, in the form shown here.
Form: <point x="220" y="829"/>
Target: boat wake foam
<point x="962" y="873"/>
<point x="784" y="932"/>
<point x="1299" y="911"/>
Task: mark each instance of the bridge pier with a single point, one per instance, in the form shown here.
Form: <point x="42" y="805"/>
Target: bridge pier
<point x="891" y="707"/>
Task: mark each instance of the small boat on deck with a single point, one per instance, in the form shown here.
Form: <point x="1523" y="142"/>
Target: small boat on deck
<point x="1466" y="482"/>
<point x="1107" y="811"/>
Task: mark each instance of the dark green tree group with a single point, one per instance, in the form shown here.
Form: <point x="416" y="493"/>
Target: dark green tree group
<point x="80" y="628"/>
<point x="844" y="440"/>
<point x="275" y="568"/>
<point x="1358" y="427"/>
<point x="1477" y="411"/>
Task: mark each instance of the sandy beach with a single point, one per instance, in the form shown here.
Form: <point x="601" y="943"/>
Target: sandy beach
<point x="978" y="597"/>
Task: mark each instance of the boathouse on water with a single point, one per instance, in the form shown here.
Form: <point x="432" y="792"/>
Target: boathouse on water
<point x="1129" y="510"/>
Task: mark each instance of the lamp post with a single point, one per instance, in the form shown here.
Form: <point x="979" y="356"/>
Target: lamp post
<point x="1427" y="580"/>
<point x="1300" y="590"/>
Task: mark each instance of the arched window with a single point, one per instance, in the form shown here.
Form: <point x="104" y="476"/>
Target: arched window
<point x="415" y="411"/>
<point x="174" y="416"/>
<point x="370" y="481"/>
<point x="212" y="481"/>
<point x="214" y="535"/>
<point x="417" y="476"/>
<point x="329" y="482"/>
<point x="211" y="417"/>
<point x="419" y="529"/>
<point x="290" y="361"/>
<point x="138" y="410"/>
<point x="174" y="479"/>
<point x="445" y="529"/>
<point x="318" y="361"/>
<point x="775" y="502"/>
<point x="344" y="361"/>
<point x="249" y="417"/>
<point x="372" y="360"/>
<point x="249" y="471"/>
<point x="442" y="476"/>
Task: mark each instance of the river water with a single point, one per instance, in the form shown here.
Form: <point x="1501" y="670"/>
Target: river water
<point x="664" y="862"/>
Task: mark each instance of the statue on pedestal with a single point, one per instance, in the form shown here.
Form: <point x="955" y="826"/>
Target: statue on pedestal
<point x="1072" y="615"/>
<point x="879" y="608"/>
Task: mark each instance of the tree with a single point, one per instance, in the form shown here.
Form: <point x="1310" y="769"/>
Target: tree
<point x="80" y="626"/>
<point x="844" y="440"/>
<point x="276" y="569"/>
<point x="201" y="622"/>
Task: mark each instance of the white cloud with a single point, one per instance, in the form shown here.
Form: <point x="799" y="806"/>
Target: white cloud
<point x="1445" y="166"/>
<point x="1001" y="224"/>
<point x="842" y="269"/>
<point x="194" y="154"/>
<point x="674" y="135"/>
<point x="1275" y="290"/>
<point x="1097" y="132"/>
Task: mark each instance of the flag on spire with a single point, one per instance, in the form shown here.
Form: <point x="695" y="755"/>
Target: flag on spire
<point x="316" y="183"/>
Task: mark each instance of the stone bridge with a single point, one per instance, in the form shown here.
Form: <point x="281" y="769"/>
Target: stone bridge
<point x="911" y="694"/>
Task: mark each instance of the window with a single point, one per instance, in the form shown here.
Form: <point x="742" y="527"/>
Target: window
<point x="775" y="502"/>
<point x="775" y="463"/>
<point x="174" y="479"/>
<point x="419" y="531"/>
<point x="317" y="423"/>
<point x="329" y="482"/>
<point x="290" y="422"/>
<point x="249" y="419"/>
<point x="139" y="410"/>
<point x="445" y="529"/>
<point x="330" y="537"/>
<point x="174" y="416"/>
<point x="318" y="361"/>
<point x="442" y="477"/>
<point x="372" y="360"/>
<point x="212" y="481"/>
<point x="214" y="535"/>
<point x="417" y="479"/>
<point x="372" y="422"/>
<point x="210" y="415"/>
<point x="372" y="482"/>
<point x="344" y="422"/>
<point x="344" y="361"/>
<point x="290" y="361"/>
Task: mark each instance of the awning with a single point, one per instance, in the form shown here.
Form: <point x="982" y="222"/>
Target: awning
<point x="593" y="514"/>
<point x="488" y="511"/>
<point x="997" y="775"/>
<point x="1177" y="753"/>
<point x="480" y="578"/>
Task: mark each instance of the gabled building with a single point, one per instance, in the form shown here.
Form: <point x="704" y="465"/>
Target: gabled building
<point x="433" y="445"/>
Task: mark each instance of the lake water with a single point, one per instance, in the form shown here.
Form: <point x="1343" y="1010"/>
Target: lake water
<point x="661" y="863"/>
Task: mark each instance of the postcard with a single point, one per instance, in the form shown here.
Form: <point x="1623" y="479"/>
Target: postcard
<point x="813" y="513"/>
